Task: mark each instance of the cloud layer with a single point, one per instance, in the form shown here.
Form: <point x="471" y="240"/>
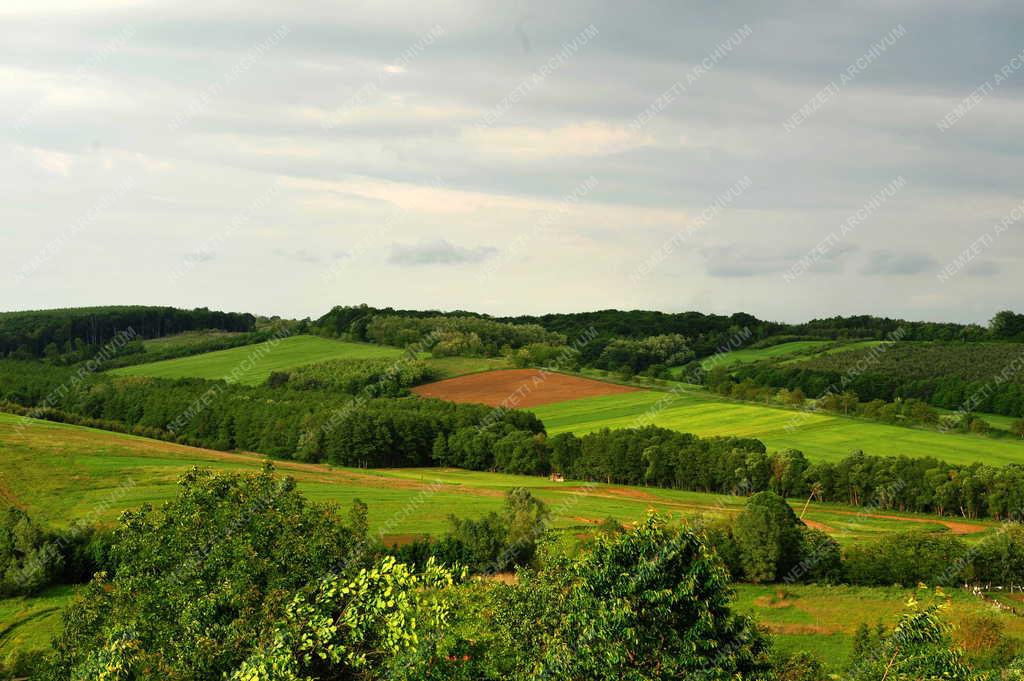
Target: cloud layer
<point x="309" y="155"/>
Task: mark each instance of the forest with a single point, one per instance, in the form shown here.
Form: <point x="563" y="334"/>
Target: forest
<point x="82" y="331"/>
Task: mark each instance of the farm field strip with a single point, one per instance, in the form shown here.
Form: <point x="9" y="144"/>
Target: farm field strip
<point x="820" y="436"/>
<point x="78" y="472"/>
<point x="284" y="354"/>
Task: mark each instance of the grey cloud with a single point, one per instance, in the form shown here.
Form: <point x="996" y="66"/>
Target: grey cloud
<point x="983" y="268"/>
<point x="737" y="261"/>
<point x="890" y="262"/>
<point x="438" y="252"/>
<point x="300" y="255"/>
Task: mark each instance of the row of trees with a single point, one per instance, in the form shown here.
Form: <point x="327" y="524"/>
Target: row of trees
<point x="73" y="330"/>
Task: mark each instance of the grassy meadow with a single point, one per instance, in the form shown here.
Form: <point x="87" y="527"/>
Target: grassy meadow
<point x="60" y="473"/>
<point x="272" y="356"/>
<point x="821" y="436"/>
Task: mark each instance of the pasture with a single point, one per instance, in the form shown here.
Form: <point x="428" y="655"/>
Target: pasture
<point x="256" y="362"/>
<point x="822" y="437"/>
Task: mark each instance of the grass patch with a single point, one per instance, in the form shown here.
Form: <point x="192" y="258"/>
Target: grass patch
<point x="30" y="623"/>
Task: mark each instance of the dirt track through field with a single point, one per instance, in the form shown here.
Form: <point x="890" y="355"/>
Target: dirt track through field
<point x="518" y="388"/>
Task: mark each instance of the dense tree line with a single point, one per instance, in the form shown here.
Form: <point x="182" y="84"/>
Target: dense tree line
<point x="986" y="377"/>
<point x="41" y="333"/>
<point x="444" y="334"/>
<point x="310" y="425"/>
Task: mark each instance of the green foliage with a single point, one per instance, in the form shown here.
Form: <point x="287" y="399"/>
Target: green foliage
<point x="454" y="335"/>
<point x="768" y="536"/>
<point x="651" y="603"/>
<point x="78" y="333"/>
<point x="950" y="375"/>
<point x="908" y="558"/>
<point x="373" y="378"/>
<point x="648" y="603"/>
<point x="919" y="648"/>
<point x="547" y="355"/>
<point x="638" y="355"/>
<point x="199" y="583"/>
<point x="29" y="558"/>
<point x="352" y="627"/>
<point x="496" y="542"/>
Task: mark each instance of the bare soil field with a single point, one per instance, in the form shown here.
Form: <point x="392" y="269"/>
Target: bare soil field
<point x="518" y="388"/>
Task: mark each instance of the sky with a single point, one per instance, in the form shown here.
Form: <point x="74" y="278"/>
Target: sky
<point x="789" y="159"/>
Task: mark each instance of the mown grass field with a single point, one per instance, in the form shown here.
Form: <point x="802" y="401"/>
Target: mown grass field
<point x="822" y="620"/>
<point x="821" y="437"/>
<point x="271" y="356"/>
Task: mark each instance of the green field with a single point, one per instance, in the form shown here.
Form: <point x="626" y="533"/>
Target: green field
<point x="256" y="362"/>
<point x="60" y="473"/>
<point x="820" y="436"/>
<point x="749" y="356"/>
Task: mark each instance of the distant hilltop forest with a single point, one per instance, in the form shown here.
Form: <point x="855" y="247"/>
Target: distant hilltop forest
<point x="78" y="333"/>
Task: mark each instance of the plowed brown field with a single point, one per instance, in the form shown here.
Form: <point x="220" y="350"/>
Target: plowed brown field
<point x="518" y="388"/>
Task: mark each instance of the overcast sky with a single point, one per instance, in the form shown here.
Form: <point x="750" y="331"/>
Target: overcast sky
<point x="782" y="159"/>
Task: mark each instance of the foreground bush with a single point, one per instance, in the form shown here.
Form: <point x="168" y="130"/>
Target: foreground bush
<point x="201" y="583"/>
